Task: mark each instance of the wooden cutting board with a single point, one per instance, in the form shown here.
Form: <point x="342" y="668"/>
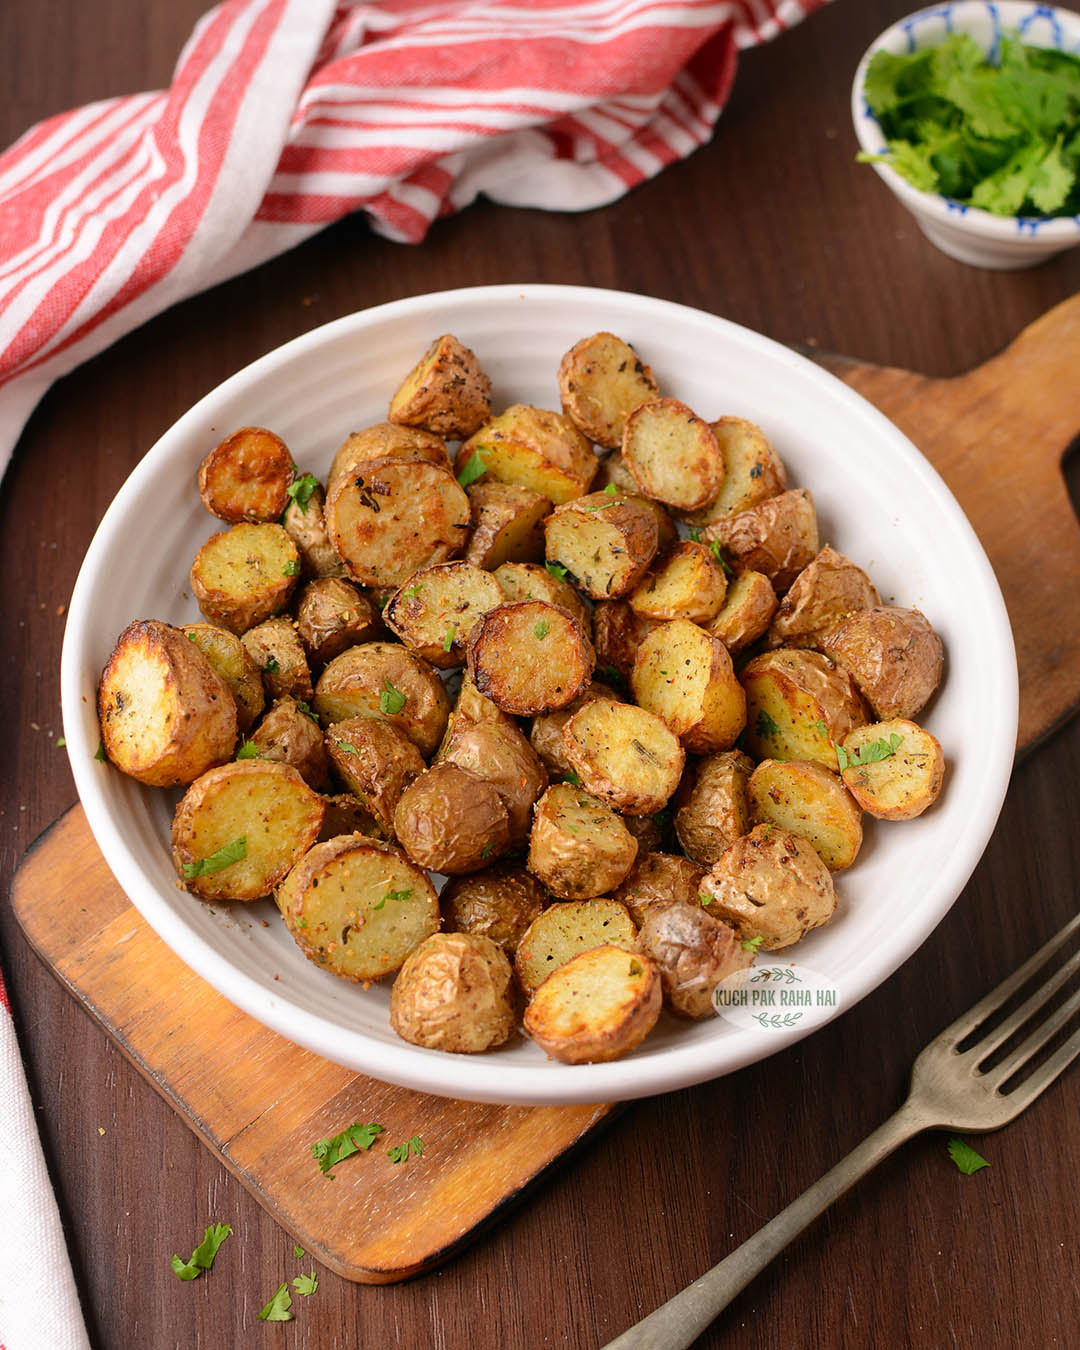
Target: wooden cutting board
<point x="997" y="435"/>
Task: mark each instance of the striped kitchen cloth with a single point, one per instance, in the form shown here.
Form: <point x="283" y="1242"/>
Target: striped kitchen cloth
<point x="285" y="115"/>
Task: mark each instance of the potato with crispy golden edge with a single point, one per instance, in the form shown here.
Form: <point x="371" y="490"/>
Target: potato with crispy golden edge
<point x="232" y="661"/>
<point x="245" y="574"/>
<point x="893" y="769"/>
<point x="357" y="907"/>
<point x="375" y="763"/>
<point x="451" y="821"/>
<point x="686" y="583"/>
<point x="606" y="542"/>
<point x="686" y="678"/>
<point x="564" y="930"/>
<point x="532" y="448"/>
<point x="711" y="806"/>
<point x="658" y="880"/>
<point x="770" y="884"/>
<point x="672" y="454"/>
<point x="799" y="704"/>
<point x="454" y="993"/>
<point x="333" y="615"/>
<point x="601" y="381"/>
<point x="811" y="802"/>
<point x="779" y="537"/>
<point x="546" y="733"/>
<point x="499" y="903"/>
<point x="624" y="755"/>
<point x="166" y="715"/>
<point x="893" y="655"/>
<point x="506" y="524"/>
<point x="239" y="828"/>
<point x="434" y="611"/>
<point x="386" y="441"/>
<point x="617" y="635"/>
<point x="753" y="471"/>
<point x="746" y="612"/>
<point x="286" y="735"/>
<point x="694" y="952"/>
<point x="386" y="681"/>
<point x="447" y="392"/>
<point x="600" y="1005"/>
<point x="275" y="648"/>
<point x="346" y="815"/>
<point x="534" y="581"/>
<point x="826" y="590"/>
<point x="578" y="847"/>
<point x="389" y="517"/>
<point x="528" y="657"/>
<point x="498" y="752"/>
<point x="304" y="522"/>
<point x="246" y="476"/>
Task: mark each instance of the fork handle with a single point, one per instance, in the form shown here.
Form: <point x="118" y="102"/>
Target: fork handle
<point x="677" y="1323"/>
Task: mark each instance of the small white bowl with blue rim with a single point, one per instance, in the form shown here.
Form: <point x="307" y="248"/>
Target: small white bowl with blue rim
<point x="964" y="232"/>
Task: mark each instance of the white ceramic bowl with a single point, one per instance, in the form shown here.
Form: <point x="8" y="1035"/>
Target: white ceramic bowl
<point x="964" y="232"/>
<point x="878" y="500"/>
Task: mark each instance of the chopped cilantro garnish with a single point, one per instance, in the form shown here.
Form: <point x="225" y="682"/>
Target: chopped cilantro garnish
<point x="305" y="1285"/>
<point x="714" y="549"/>
<point x="411" y="593"/>
<point x="60" y="742"/>
<point x="965" y="1157"/>
<point x="391" y="700"/>
<point x="705" y="899"/>
<point x="572" y="779"/>
<point x="474" y="467"/>
<point x="328" y="1152"/>
<point x="291" y="568"/>
<point x="870" y="753"/>
<point x="557" y="571"/>
<point x="400" y="1152"/>
<point x="821" y="729"/>
<point x="695" y="533"/>
<point x="248" y="750"/>
<point x="307" y="710"/>
<point x="277" y="1310"/>
<point x="542" y="629"/>
<point x="448" y="640"/>
<point x="300" y="489"/>
<point x="347" y="747"/>
<point x="611" y="490"/>
<point x="299" y="1252"/>
<point x="99" y="753"/>
<point x="600" y="506"/>
<point x="202" y="1258"/>
<point x="399" y="895"/>
<point x="765" y="726"/>
<point x="271" y="666"/>
<point x="753" y="944"/>
<point x="224" y="857"/>
<point x="487" y="850"/>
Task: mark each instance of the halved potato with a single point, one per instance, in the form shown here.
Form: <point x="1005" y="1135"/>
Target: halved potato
<point x="686" y="583"/>
<point x="529" y="657"/>
<point x="565" y="930"/>
<point x="600" y="1005"/>
<point x="243" y="575"/>
<point x="331" y="616"/>
<point x="601" y="381"/>
<point x="624" y="755"/>
<point x="578" y="847"/>
<point x="232" y="661"/>
<point x="506" y="524"/>
<point x="672" y="454"/>
<point x="498" y="752"/>
<point x="546" y="734"/>
<point x="826" y="590"/>
<point x="239" y="828"/>
<point x="451" y="821"/>
<point x="658" y="880"/>
<point x="385" y="440"/>
<point x="357" y="907"/>
<point x="893" y="769"/>
<point x="375" y="763"/>
<point x="685" y="676"/>
<point x="893" y="655"/>
<point x="811" y="802"/>
<point x="532" y="448"/>
<point x="536" y="581"/>
<point x="500" y="902"/>
<point x="287" y="735"/>
<point x="605" y="541"/>
<point x="746" y="612"/>
<point x="246" y="476"/>
<point x="387" y="681"/>
<point x="304" y="522"/>
<point x="711" y="806"/>
<point x="753" y="471"/>
<point x="694" y="952"/>
<point x="454" y="994"/>
<point x="799" y="704"/>
<point x="447" y="391"/>
<point x="276" y="650"/>
<point x="778" y="536"/>
<point x="434" y="611"/>
<point x="618" y="634"/>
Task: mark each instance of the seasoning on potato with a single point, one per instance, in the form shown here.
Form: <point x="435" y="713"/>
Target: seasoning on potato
<point x="243" y="575"/>
<point x="893" y="655"/>
<point x="387" y="681"/>
<point x="375" y="762"/>
<point x="578" y="847"/>
<point x="433" y="613"/>
<point x="893" y="769"/>
<point x="602" y="380"/>
<point x="247" y="476"/>
<point x="753" y="471"/>
<point x="624" y="755"/>
<point x="597" y="1007"/>
<point x="447" y="391"/>
<point x="672" y="454"/>
<point x="799" y="704"/>
<point x="288" y="735"/>
<point x="778" y="536"/>
<point x="605" y="541"/>
<point x="685" y="676"/>
<point x="826" y="590"/>
<point x="499" y="903"/>
<point x="233" y="662"/>
<point x="451" y="821"/>
<point x="658" y="880"/>
<point x="528" y="657"/>
<point x="532" y="448"/>
<point x="711" y="806"/>
<point x="811" y="802"/>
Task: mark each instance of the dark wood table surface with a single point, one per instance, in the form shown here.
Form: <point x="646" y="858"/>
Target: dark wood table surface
<point x="774" y="226"/>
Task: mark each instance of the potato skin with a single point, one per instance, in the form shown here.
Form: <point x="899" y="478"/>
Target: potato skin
<point x="375" y="763"/>
<point x="498" y="752"/>
<point x="693" y="952"/>
<point x="529" y="657"/>
<point x="711" y="806"/>
<point x="606" y="542"/>
<point x="277" y="652"/>
<point x="506" y="524"/>
<point x="368" y="680"/>
<point x="306" y="527"/>
<point x="246" y="476"/>
<point x="451" y="821"/>
<point x="811" y="802"/>
<point x="433" y="613"/>
<point x="658" y="880"/>
<point x="893" y="655"/>
<point x="578" y="847"/>
<point x="600" y="1005"/>
<point x="624" y="755"/>
<point x="824" y="591"/>
<point x="601" y="381"/>
<point x="746" y="613"/>
<point x="778" y="536"/>
<point x="287" y="735"/>
<point x="770" y="884"/>
<point x="332" y="615"/>
<point x="453" y="993"/>
<point x="546" y="733"/>
<point x="166" y="715"/>
<point x="498" y="903"/>
<point x="244" y="575"/>
<point x="386" y="440"/>
<point x="232" y="661"/>
<point x="798" y="705"/>
<point x="904" y="784"/>
<point x="447" y="391"/>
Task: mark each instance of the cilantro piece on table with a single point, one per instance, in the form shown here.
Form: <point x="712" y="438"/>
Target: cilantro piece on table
<point x="299" y="1252"/>
<point x="305" y="1284"/>
<point x="277" y="1310"/>
<point x="216" y="862"/>
<point x="355" y="1138"/>
<point x="400" y="1152"/>
<point x="965" y="1157"/>
<point x="202" y="1258"/>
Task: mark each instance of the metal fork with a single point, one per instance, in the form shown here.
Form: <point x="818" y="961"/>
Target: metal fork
<point x="950" y="1089"/>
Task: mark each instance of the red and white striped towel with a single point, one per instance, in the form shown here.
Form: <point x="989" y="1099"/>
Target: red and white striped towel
<point x="285" y="115"/>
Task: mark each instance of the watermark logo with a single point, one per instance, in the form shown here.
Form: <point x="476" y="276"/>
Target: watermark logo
<point x="777" y="997"/>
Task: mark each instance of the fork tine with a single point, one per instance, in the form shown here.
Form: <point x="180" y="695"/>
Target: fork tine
<point x="1040" y="1036"/>
<point x="1000" y="1034"/>
<point x="1045" y="1074"/>
<point x="967" y="1022"/>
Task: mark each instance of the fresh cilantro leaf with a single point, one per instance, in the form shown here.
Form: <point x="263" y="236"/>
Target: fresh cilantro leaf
<point x="965" y="1157"/>
<point x="843" y="759"/>
<point x="291" y="568"/>
<point x="753" y="944"/>
<point x="202" y="1258"/>
<point x="224" y="857"/>
<point x="475" y="467"/>
<point x="60" y="742"/>
<point x="277" y="1310"/>
<point x="599" y="506"/>
<point x="611" y="490"/>
<point x="705" y="899"/>
<point x="411" y="593"/>
<point x="572" y="779"/>
<point x="714" y="549"/>
<point x="487" y="850"/>
<point x="300" y="489"/>
<point x="556" y="571"/>
<point x="299" y="1252"/>
<point x="542" y="629"/>
<point x="695" y="533"/>
<point x="307" y="710"/>
<point x="398" y="895"/>
<point x="870" y="753"/>
<point x="305" y="1284"/>
<point x="99" y="753"/>
<point x="347" y="747"/>
<point x="400" y="1152"/>
<point x="272" y="666"/>
<point x="448" y="640"/>
<point x="378" y="904"/>
<point x="248" y="750"/>
<point x="821" y="729"/>
<point x="391" y="700"/>
<point x="765" y="726"/>
<point x="354" y="1139"/>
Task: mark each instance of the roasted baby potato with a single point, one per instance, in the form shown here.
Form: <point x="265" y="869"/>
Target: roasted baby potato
<point x="686" y="678"/>
<point x="770" y="884"/>
<point x="746" y="612"/>
<point x="811" y="802"/>
<point x="798" y="706"/>
<point x="382" y="441"/>
<point x="578" y="847"/>
<point x="243" y="575"/>
<point x="239" y="828"/>
<point x="605" y="540"/>
<point x="829" y="588"/>
<point x="166" y="715"/>
<point x="893" y="655"/>
<point x="433" y="613"/>
<point x="497" y="751"/>
<point x="693" y="952"/>
<point x="624" y="755"/>
<point x="451" y="821"/>
<point x="232" y="661"/>
<point x="672" y="454"/>
<point x="288" y="735"/>
<point x="546" y="734"/>
<point x="375" y="763"/>
<point x="246" y="476"/>
<point x="506" y="524"/>
<point x="345" y="814"/>
<point x="305" y="524"/>
<point x="331" y="616"/>
<point x="564" y="930"/>
<point x="454" y="994"/>
<point x="357" y="907"/>
<point x="534" y="581"/>
<point x="658" y="880"/>
<point x="528" y="657"/>
<point x="385" y="680"/>
<point x="601" y="382"/>
<point x="778" y="536"/>
<point x="532" y="448"/>
<point x="686" y="583"/>
<point x="600" y="1005"/>
<point x="447" y="391"/>
<point x="499" y="903"/>
<point x="893" y="769"/>
<point x="753" y="471"/>
<point x="711" y="806"/>
<point x="617" y="634"/>
<point x="653" y="833"/>
<point x="276" y="650"/>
